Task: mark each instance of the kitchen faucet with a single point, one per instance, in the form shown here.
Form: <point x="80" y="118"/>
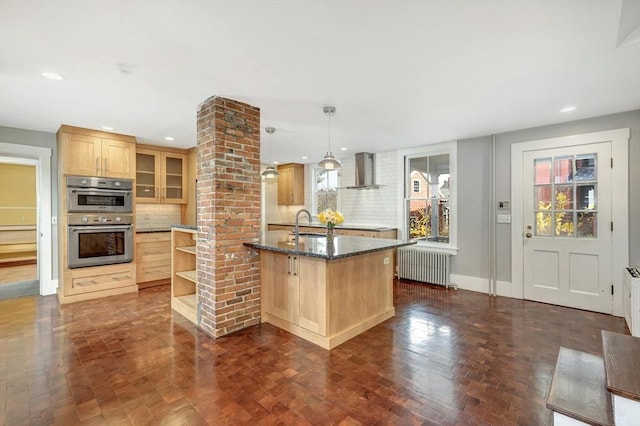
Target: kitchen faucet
<point x="297" y="231"/>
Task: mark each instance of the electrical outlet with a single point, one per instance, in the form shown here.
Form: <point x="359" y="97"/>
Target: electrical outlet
<point x="386" y="261"/>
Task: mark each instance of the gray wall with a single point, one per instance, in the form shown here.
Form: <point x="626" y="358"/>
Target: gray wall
<point x="473" y="184"/>
<point x="43" y="140"/>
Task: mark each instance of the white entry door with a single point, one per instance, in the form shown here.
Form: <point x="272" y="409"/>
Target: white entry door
<point x="567" y="238"/>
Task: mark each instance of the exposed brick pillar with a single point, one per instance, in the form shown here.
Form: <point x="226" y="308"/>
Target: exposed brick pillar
<point x="228" y="211"/>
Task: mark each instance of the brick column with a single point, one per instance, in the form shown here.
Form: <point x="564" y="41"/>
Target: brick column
<point x="228" y="212"/>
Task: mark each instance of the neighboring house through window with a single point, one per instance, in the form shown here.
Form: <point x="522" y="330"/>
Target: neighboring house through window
<point x="325" y="190"/>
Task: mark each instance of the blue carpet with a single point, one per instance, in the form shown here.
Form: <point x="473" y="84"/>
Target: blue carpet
<point x="21" y="289"/>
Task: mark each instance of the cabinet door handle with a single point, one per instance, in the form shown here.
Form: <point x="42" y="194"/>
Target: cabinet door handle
<point x="288" y="265"/>
<point x="98" y="165"/>
<point x="106" y="165"/>
<point x="295" y="261"/>
<point x="120" y="278"/>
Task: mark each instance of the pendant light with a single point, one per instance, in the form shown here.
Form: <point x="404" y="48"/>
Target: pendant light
<point x="270" y="172"/>
<point x="329" y="162"/>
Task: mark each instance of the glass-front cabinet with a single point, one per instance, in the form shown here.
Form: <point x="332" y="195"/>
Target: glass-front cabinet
<point x="161" y="176"/>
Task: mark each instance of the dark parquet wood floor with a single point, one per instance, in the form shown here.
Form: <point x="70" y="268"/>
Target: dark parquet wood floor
<point x="447" y="357"/>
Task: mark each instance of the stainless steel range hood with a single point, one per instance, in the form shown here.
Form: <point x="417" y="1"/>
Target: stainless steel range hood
<point x="365" y="171"/>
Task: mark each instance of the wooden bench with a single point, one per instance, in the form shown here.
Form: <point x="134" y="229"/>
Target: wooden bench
<point x="622" y="366"/>
<point x="578" y="390"/>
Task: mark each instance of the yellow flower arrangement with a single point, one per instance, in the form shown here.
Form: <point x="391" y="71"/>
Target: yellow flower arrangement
<point x="330" y="218"/>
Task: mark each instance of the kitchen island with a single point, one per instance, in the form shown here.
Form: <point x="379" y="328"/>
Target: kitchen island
<point x="326" y="290"/>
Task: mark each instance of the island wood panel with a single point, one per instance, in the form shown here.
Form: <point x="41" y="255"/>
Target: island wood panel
<point x="310" y="277"/>
<point x="326" y="302"/>
<point x="364" y="291"/>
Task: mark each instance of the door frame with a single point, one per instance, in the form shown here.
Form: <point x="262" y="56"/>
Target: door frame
<point x="619" y="139"/>
<point x="41" y="158"/>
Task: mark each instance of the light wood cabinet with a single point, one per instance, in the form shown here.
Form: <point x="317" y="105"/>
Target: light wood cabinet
<point x="324" y="301"/>
<point x="153" y="259"/>
<point x="161" y="176"/>
<point x="291" y="184"/>
<point x="184" y="292"/>
<point x="295" y="289"/>
<point x="97" y="281"/>
<point x="88" y="152"/>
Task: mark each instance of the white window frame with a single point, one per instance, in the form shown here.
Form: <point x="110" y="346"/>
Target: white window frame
<point x="314" y="191"/>
<point x="405" y="186"/>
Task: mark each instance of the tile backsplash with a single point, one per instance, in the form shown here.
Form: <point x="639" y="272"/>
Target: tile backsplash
<point x="157" y="216"/>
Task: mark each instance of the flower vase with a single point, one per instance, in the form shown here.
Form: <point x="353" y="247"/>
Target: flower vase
<point x="329" y="233"/>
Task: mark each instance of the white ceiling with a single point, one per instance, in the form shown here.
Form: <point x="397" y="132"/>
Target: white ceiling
<point x="400" y="73"/>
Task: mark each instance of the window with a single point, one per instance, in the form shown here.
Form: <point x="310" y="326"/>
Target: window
<point x="326" y="189"/>
<point x="429" y="195"/>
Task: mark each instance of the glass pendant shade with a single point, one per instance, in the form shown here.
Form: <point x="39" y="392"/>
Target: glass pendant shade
<point x="269" y="173"/>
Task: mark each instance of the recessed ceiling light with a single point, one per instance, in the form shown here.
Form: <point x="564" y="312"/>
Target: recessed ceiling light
<point x="276" y="162"/>
<point x="169" y="138"/>
<point x="344" y="148"/>
<point x="304" y="157"/>
<point x="52" y="76"/>
<point x="568" y="108"/>
<point x="107" y="128"/>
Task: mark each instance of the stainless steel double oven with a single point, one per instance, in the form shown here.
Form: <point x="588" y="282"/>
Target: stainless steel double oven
<point x="99" y="221"/>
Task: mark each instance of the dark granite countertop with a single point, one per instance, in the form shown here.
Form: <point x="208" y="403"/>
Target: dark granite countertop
<point x="343" y="246"/>
<point x="343" y="226"/>
<point x="190" y="227"/>
<point x="150" y="230"/>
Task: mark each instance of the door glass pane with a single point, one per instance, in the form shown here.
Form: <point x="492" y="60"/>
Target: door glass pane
<point x="543" y="224"/>
<point x="543" y="197"/>
<point x="563" y="169"/>
<point x="586" y="197"/>
<point x="586" y="167"/>
<point x="587" y="225"/>
<point x="542" y="167"/>
<point x="564" y="224"/>
<point x="564" y="197"/>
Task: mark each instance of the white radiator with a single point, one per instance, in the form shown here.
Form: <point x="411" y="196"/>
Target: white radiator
<point x="419" y="264"/>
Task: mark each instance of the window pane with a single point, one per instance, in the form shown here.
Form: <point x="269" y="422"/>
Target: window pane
<point x="544" y="226"/>
<point x="543" y="197"/>
<point x="563" y="170"/>
<point x="428" y="194"/>
<point x="586" y="167"/>
<point x="564" y="197"/>
<point x="587" y="225"/>
<point x="542" y="168"/>
<point x="586" y="197"/>
<point x="564" y="224"/>
<point x="326" y="190"/>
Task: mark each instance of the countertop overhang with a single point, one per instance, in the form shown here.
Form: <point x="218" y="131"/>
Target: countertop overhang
<point x="343" y="226"/>
<point x="318" y="246"/>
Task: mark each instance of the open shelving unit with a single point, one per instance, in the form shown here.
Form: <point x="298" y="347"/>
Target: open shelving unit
<point x="184" y="292"/>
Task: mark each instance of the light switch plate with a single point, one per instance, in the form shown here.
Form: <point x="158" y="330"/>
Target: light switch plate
<point x="54" y="220"/>
<point x="504" y="218"/>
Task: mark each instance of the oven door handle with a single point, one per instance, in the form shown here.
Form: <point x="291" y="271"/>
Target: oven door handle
<point x="101" y="228"/>
<point x="101" y="191"/>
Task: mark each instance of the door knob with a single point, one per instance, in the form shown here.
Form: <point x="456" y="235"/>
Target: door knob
<point x="528" y="235"/>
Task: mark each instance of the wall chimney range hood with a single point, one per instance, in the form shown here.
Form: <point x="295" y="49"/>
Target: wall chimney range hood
<point x="365" y="171"/>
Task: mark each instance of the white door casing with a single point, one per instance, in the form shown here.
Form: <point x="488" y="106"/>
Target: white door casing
<point x="567" y="215"/>
<point x="618" y="140"/>
<point x="42" y="161"/>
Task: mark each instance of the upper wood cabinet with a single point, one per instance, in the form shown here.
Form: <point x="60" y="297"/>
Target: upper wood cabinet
<point x="291" y="184"/>
<point x="161" y="176"/>
<point x="93" y="153"/>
